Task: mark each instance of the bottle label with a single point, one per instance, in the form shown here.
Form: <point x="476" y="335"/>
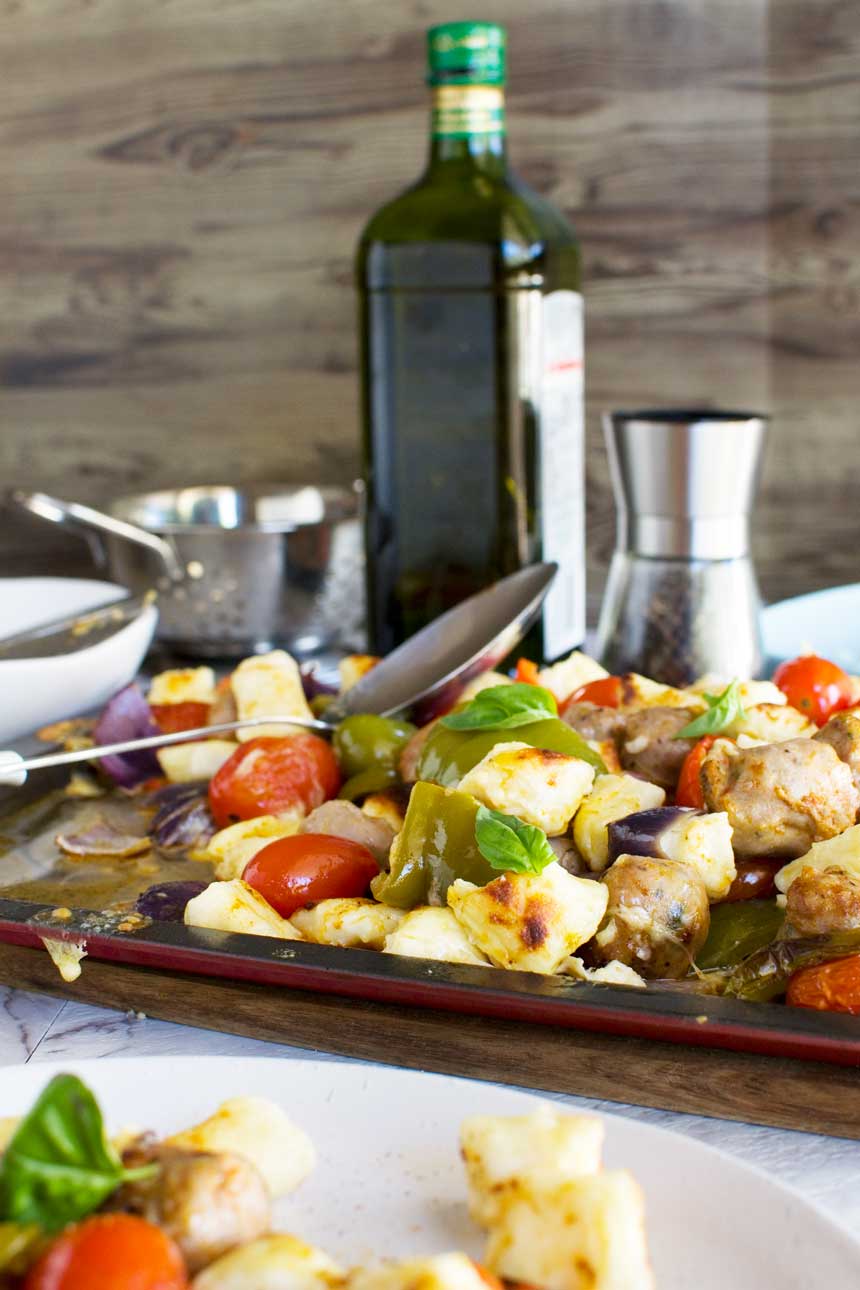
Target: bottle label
<point x="460" y="111"/>
<point x="562" y="464"/>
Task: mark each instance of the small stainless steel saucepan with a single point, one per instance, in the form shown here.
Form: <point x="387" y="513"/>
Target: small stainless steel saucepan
<point x="238" y="569"/>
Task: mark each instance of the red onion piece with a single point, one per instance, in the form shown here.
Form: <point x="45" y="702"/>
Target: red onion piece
<point x="166" y="901"/>
<point x="102" y="839"/>
<point x="127" y="716"/>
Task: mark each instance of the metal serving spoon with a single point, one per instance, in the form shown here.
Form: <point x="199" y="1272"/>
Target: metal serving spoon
<point x="433" y="665"/>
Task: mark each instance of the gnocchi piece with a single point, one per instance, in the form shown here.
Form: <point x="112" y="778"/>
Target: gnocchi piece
<point x="200" y="759"/>
<point x="506" y="1156"/>
<point x="613" y="973"/>
<point x="384" y="806"/>
<point x="441" y="1272"/>
<point x="532" y="922"/>
<point x="569" y="674"/>
<point x="230" y="849"/>
<point x="280" y="1262"/>
<point x="586" y="1234"/>
<point x="260" y="1131"/>
<point x="431" y="933"/>
<point x="267" y="685"/>
<point x="352" y="668"/>
<point x="612" y="797"/>
<point x="641" y="692"/>
<point x="485" y="681"/>
<point x="352" y="923"/>
<point x="183" y="685"/>
<point x="751" y="693"/>
<point x="842" y="852"/>
<point x="541" y="788"/>
<point x="771" y="723"/>
<point x="704" y="842"/>
<point x="235" y="907"/>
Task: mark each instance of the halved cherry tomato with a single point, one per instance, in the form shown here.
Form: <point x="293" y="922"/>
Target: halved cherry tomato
<point x="606" y="692"/>
<point x="527" y="672"/>
<point x="272" y="774"/>
<point x="815" y="686"/>
<point x="173" y="717"/>
<point x="689" y="790"/>
<point x="293" y="872"/>
<point x="110" y="1252"/>
<point x="829" y="987"/>
<point x="754" y="879"/>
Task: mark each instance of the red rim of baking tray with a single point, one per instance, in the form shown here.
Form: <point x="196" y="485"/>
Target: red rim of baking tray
<point x="659" y="1013"/>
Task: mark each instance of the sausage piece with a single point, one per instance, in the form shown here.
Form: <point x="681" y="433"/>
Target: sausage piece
<point x="651" y="748"/>
<point x="346" y="820"/>
<point x="657" y="919"/>
<point x="780" y="798"/>
<point x="842" y="732"/>
<point x="594" y="722"/>
<point x="822" y="901"/>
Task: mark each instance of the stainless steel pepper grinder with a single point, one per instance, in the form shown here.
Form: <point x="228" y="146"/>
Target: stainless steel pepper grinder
<point x="682" y="599"/>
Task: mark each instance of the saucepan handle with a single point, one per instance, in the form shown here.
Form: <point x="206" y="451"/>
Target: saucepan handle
<point x="79" y="516"/>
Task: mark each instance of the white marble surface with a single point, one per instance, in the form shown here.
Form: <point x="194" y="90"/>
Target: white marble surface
<point x="35" y="1028"/>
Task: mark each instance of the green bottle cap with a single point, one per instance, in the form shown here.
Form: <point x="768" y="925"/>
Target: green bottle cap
<point x="466" y="53"/>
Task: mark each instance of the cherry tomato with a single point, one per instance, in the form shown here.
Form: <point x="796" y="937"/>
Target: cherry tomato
<point x="606" y="692"/>
<point x="527" y="672"/>
<point x="173" y="717"/>
<point x="815" y="686"/>
<point x="110" y="1252"/>
<point x="754" y="880"/>
<point x="829" y="987"/>
<point x="689" y="790"/>
<point x="293" y="872"/>
<point x="490" y="1280"/>
<point x="272" y="774"/>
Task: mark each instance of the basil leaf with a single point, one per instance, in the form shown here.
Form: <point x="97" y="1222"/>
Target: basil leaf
<point x="504" y="707"/>
<point x="723" y="709"/>
<point x="508" y="844"/>
<point x="59" y="1166"/>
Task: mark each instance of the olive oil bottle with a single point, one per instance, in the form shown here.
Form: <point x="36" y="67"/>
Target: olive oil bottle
<point x="472" y="369"/>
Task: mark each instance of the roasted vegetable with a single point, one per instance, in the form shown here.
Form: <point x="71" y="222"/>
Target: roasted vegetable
<point x="182" y="821"/>
<point x="829" y="987"/>
<point x="657" y="918"/>
<point x="165" y="901"/>
<point x="766" y="973"/>
<point x="738" y="930"/>
<point x="436" y="845"/>
<point x="448" y="755"/>
<point x="127" y="716"/>
<point x="368" y="742"/>
<point x="753" y="880"/>
<point x="678" y="833"/>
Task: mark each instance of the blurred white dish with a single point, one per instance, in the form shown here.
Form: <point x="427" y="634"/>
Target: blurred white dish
<point x="38" y="690"/>
<point x="823" y="622"/>
<point x="388" y="1181"/>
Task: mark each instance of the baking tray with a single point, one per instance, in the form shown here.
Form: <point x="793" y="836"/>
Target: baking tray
<point x="664" y="1046"/>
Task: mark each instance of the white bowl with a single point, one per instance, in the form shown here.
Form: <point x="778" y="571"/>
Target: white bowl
<point x="823" y="622"/>
<point x="34" y="691"/>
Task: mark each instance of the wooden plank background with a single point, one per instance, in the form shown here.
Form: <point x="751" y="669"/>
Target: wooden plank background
<point x="183" y="183"/>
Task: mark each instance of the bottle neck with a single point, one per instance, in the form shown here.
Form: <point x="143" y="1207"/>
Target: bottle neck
<point x="467" y="129"/>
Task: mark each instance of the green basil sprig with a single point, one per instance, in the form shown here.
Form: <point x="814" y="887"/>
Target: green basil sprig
<point x="504" y="707"/>
<point x="508" y="844"/>
<point x="723" y="709"/>
<point x="59" y="1165"/>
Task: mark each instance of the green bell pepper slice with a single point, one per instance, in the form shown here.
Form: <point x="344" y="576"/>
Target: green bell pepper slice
<point x="435" y="846"/>
<point x="366" y="741"/>
<point x="449" y="754"/>
<point x="738" y="929"/>
<point x="373" y="780"/>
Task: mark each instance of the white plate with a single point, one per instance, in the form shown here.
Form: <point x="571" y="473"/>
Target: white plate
<point x="389" y="1181"/>
<point x="36" y="691"/>
<point x="825" y="622"/>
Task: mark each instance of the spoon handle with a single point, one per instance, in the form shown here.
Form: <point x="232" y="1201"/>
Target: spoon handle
<point x="14" y="768"/>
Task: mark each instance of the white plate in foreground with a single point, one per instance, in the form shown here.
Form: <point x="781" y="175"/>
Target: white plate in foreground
<point x="389" y="1181"/>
